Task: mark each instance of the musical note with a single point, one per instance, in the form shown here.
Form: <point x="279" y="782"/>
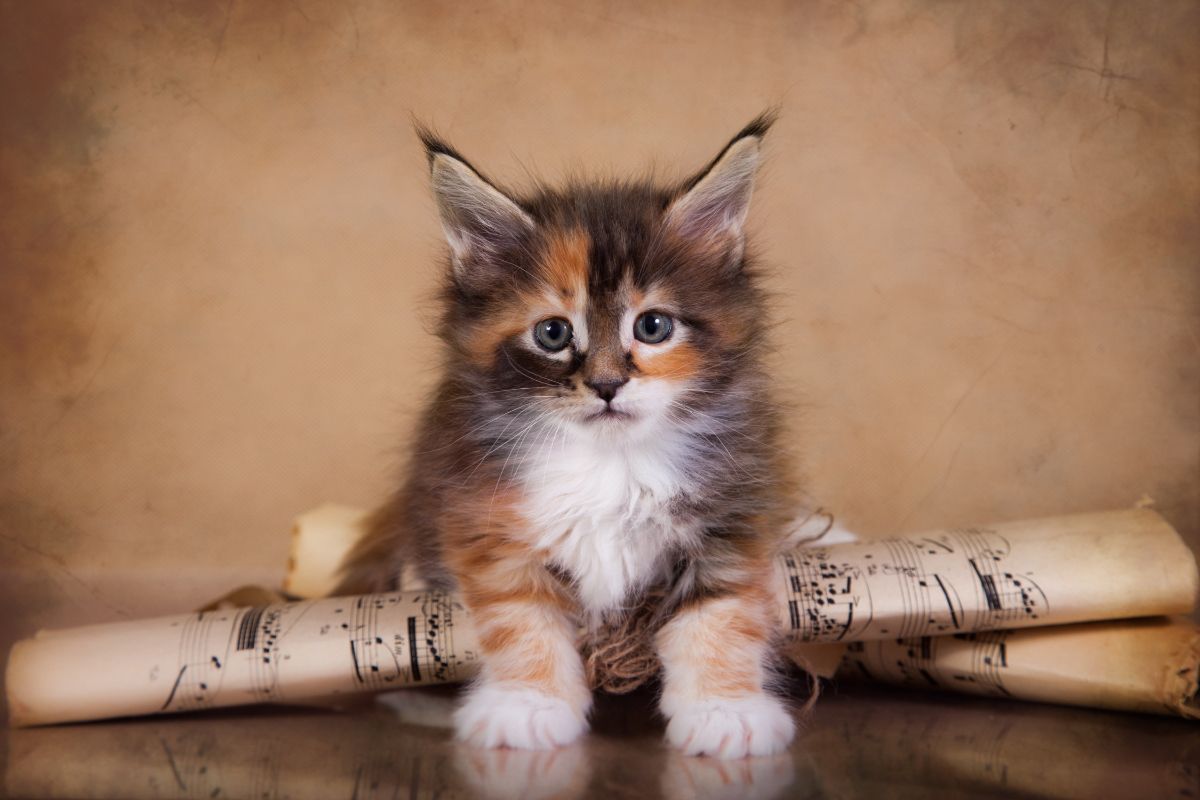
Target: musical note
<point x="205" y="639"/>
<point x="391" y="640"/>
<point x="976" y="662"/>
<point x="942" y="583"/>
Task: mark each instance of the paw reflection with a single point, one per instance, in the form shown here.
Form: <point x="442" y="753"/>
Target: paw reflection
<point x="755" y="778"/>
<point x="504" y="774"/>
<point x="430" y="709"/>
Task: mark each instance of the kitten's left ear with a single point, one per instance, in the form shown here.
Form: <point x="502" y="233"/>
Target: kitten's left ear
<point x="478" y="219"/>
<point x="713" y="204"/>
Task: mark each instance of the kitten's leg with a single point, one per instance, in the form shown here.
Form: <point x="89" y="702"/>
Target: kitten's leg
<point x="532" y="693"/>
<point x="714" y="653"/>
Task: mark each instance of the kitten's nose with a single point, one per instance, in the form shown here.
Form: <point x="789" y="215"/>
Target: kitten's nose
<point x="606" y="390"/>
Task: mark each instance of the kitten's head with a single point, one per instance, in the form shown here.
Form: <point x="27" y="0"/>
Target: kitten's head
<point x="607" y="309"/>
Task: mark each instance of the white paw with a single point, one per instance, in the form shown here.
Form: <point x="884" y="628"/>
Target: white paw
<point x="499" y="716"/>
<point x="757" y="725"/>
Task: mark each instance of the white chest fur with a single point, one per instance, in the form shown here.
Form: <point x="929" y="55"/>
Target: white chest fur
<point x="601" y="511"/>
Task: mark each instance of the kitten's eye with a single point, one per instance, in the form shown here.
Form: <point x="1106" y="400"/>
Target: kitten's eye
<point x="553" y="334"/>
<point x="653" y="327"/>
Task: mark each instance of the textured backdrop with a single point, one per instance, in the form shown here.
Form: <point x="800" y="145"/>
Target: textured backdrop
<point x="217" y="249"/>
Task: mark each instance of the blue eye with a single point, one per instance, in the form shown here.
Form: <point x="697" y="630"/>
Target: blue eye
<point x="553" y="334"/>
<point x="653" y="327"/>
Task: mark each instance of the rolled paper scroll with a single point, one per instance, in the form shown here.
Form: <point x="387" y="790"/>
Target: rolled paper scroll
<point x="1148" y="665"/>
<point x="320" y="540"/>
<point x="280" y="653"/>
<point x="1052" y="571"/>
<point x="1045" y="572"/>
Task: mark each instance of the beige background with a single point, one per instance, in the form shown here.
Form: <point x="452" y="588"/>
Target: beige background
<point x="217" y="248"/>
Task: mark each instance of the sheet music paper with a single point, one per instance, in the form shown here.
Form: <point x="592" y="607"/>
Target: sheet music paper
<point x="1131" y="665"/>
<point x="1044" y="572"/>
<point x="288" y="652"/>
<point x="1076" y="568"/>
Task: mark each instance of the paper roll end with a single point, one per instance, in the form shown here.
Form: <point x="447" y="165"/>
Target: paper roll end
<point x="320" y="540"/>
<point x="20" y="715"/>
<point x="1182" y="691"/>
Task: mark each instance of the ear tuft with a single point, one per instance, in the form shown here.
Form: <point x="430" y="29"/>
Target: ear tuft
<point x="759" y="125"/>
<point x="435" y="145"/>
<point x="713" y="204"/>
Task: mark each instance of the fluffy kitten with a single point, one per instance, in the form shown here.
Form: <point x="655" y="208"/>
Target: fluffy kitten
<point x="602" y="427"/>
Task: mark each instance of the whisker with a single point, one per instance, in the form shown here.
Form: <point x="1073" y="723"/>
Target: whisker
<point x="526" y="373"/>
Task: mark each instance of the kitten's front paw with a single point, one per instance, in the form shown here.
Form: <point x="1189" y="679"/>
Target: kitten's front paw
<point x="757" y="725"/>
<point x="498" y="716"/>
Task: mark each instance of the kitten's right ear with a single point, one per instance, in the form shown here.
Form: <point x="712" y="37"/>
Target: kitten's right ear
<point x="479" y="220"/>
<point x="712" y="205"/>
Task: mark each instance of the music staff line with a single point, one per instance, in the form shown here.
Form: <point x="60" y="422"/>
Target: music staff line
<point x="830" y="600"/>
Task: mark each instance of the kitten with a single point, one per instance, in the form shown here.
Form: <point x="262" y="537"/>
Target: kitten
<point x="602" y="427"/>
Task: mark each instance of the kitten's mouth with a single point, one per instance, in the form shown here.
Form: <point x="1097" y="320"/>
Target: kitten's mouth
<point x="609" y="413"/>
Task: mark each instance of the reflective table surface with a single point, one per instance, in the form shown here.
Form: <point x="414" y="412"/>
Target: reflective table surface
<point x="857" y="742"/>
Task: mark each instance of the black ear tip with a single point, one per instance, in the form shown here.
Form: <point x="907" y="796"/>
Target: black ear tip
<point x="434" y="144"/>
<point x="759" y="125"/>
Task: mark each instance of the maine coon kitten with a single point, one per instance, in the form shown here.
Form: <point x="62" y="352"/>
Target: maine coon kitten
<point x="602" y="426"/>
